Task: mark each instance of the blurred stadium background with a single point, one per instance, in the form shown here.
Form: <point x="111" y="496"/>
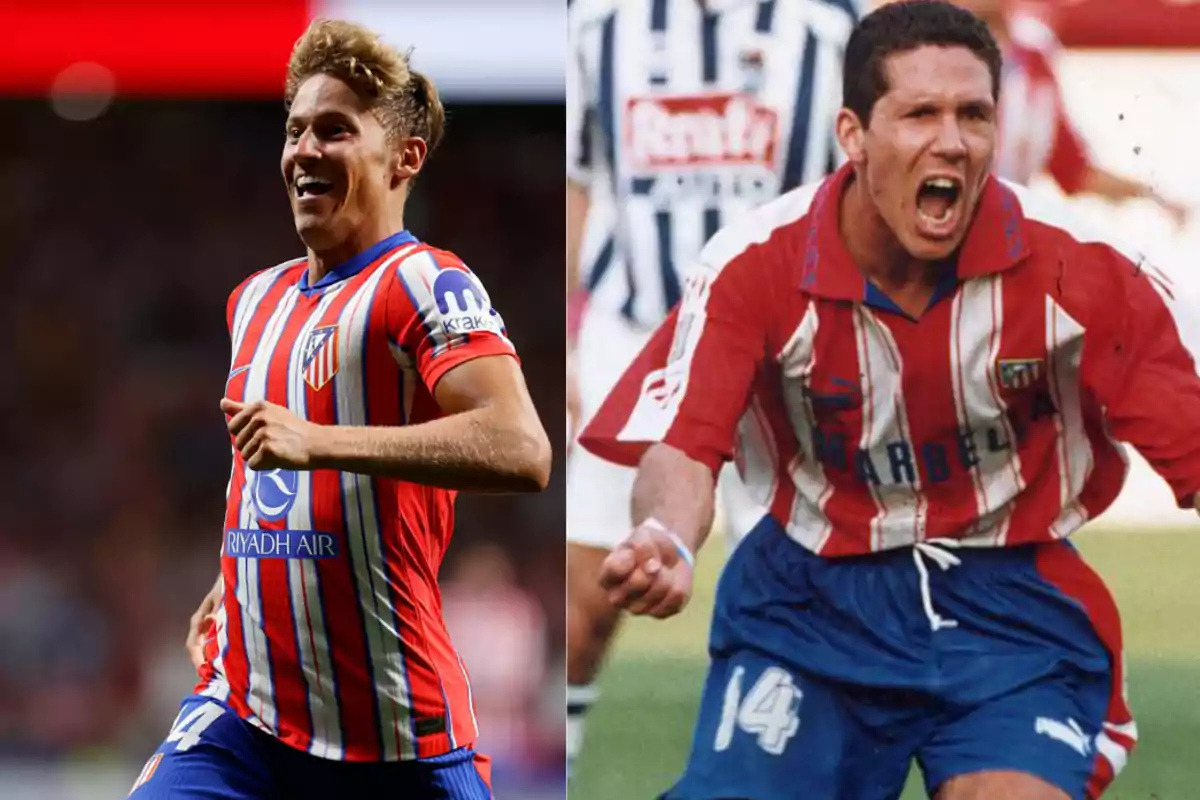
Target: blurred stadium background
<point x="139" y="149"/>
<point x="1130" y="73"/>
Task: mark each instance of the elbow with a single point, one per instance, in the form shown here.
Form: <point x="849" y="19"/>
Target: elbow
<point x="531" y="462"/>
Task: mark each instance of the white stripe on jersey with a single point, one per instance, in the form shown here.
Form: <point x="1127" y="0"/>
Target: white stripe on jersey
<point x="364" y="535"/>
<point x="1064" y="343"/>
<point x="976" y="322"/>
<point x="260" y="695"/>
<point x="807" y="522"/>
<point x="692" y="126"/>
<point x="313" y="650"/>
<point x="902" y="507"/>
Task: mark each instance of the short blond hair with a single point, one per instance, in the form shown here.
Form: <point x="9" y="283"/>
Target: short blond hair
<point x="405" y="101"/>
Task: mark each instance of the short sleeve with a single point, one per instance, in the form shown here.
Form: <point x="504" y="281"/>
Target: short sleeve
<point x="690" y="385"/>
<point x="439" y="315"/>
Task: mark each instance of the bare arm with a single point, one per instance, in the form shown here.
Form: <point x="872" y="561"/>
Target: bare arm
<point x="1117" y="189"/>
<point x="651" y="571"/>
<point x="677" y="491"/>
<point x="490" y="439"/>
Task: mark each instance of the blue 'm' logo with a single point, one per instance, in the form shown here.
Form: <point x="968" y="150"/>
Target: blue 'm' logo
<point x="463" y="306"/>
<point x="456" y="284"/>
<point x="275" y="493"/>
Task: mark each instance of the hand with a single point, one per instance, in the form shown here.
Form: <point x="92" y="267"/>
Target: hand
<point x="201" y="625"/>
<point x="270" y="436"/>
<point x="646" y="575"/>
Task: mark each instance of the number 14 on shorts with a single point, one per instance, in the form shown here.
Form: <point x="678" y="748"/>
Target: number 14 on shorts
<point x="190" y="725"/>
<point x="770" y="709"/>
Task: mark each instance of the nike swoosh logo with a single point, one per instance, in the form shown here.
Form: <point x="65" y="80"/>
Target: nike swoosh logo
<point x="233" y="373"/>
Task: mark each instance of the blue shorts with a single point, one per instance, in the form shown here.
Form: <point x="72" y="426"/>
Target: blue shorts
<point x="221" y="757"/>
<point x="830" y="676"/>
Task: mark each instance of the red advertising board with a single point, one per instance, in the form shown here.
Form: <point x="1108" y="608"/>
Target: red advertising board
<point x="1123" y="23"/>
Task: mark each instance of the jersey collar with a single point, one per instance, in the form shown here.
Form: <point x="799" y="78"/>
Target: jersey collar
<point x="996" y="241"/>
<point x="356" y="264"/>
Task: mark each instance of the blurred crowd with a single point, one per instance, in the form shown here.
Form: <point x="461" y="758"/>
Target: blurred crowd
<point x="121" y="239"/>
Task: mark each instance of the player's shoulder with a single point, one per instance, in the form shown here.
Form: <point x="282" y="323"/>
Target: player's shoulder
<point x="265" y="277"/>
<point x="1084" y="267"/>
<point x="775" y="225"/>
<point x="1058" y="233"/>
<point x="424" y="262"/>
<point x="427" y="273"/>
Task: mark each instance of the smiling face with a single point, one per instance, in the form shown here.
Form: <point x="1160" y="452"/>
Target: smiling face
<point x="338" y="163"/>
<point x="926" y="150"/>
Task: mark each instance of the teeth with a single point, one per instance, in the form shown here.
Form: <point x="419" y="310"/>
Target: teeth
<point x="940" y="183"/>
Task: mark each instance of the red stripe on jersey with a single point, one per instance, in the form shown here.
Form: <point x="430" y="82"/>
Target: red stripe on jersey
<point x="1108" y="474"/>
<point x="1062" y="567"/>
<point x="927" y="384"/>
<point x="839" y="428"/>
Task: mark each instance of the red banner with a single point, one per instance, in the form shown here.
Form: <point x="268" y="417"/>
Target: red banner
<point x="1124" y="23"/>
<point x="224" y="48"/>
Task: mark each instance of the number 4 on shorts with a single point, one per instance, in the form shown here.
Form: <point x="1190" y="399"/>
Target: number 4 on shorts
<point x="188" y="729"/>
<point x="770" y="709"/>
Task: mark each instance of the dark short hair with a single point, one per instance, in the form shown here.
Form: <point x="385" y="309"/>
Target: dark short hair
<point x="904" y="26"/>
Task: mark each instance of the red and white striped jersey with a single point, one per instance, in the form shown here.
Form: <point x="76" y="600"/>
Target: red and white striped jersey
<point x="1036" y="136"/>
<point x="329" y="633"/>
<point x="994" y="418"/>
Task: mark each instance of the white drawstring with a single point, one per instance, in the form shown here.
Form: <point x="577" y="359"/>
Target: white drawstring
<point x="933" y="550"/>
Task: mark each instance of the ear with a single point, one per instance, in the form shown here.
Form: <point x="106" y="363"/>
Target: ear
<point x="851" y="134"/>
<point x="409" y="158"/>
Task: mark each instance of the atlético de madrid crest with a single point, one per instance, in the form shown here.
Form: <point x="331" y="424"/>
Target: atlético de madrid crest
<point x="1018" y="373"/>
<point x="321" y="356"/>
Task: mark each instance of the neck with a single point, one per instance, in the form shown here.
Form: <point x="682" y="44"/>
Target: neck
<point x="321" y="262"/>
<point x="875" y="249"/>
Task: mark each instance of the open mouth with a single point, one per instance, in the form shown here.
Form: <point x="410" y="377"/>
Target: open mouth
<point x="938" y="204"/>
<point x="310" y="186"/>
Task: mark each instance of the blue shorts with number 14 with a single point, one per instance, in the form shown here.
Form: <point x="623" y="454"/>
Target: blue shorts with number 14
<point x="213" y="754"/>
<point x="830" y="677"/>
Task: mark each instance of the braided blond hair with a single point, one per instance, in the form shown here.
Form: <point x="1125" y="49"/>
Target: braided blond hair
<point x="405" y="101"/>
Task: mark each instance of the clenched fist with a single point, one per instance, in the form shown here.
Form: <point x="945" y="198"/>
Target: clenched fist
<point x="270" y="436"/>
<point x="647" y="573"/>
